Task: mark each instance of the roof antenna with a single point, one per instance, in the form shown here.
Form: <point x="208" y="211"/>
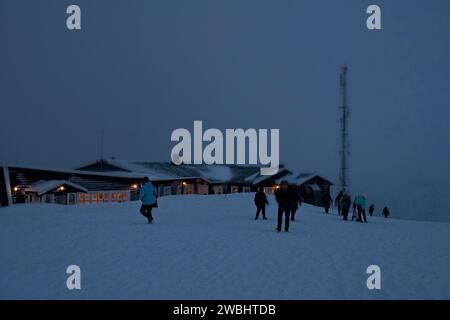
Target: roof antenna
<point x="102" y="136"/>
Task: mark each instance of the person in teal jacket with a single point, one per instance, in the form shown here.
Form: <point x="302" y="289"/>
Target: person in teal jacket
<point x="147" y="195"/>
<point x="361" y="205"/>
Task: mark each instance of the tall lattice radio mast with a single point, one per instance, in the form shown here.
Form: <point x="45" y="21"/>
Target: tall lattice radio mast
<point x="345" y="147"/>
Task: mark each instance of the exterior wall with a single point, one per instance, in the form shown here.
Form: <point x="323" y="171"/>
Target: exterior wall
<point x="5" y="191"/>
<point x="269" y="190"/>
<point x="234" y="189"/>
<point x="103" y="196"/>
<point x="218" y="189"/>
<point x="72" y="198"/>
<point x="202" y="189"/>
<point x="315" y="197"/>
<point x="181" y="186"/>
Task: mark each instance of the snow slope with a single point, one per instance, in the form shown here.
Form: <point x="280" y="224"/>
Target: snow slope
<point x="209" y="247"/>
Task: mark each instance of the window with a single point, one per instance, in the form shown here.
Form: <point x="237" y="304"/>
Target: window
<point x="202" y="189"/>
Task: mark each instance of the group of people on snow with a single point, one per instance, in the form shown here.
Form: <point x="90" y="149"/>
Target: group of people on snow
<point x="288" y="200"/>
<point x="343" y="202"/>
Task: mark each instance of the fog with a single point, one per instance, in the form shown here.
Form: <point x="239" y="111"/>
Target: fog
<point x="137" y="70"/>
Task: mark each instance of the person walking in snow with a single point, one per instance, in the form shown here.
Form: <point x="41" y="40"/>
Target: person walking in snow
<point x="261" y="202"/>
<point x="327" y="202"/>
<point x="285" y="196"/>
<point x="361" y="206"/>
<point x="147" y="195"/>
<point x="296" y="205"/>
<point x="371" y="209"/>
<point x="354" y="212"/>
<point x="337" y="202"/>
<point x="345" y="204"/>
<point x="386" y="212"/>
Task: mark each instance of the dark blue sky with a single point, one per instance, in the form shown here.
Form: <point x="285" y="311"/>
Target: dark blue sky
<point x="140" y="69"/>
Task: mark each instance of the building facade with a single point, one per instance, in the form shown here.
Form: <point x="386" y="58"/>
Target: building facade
<point x="115" y="180"/>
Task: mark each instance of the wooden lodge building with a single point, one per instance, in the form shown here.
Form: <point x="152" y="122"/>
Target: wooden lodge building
<point x="113" y="180"/>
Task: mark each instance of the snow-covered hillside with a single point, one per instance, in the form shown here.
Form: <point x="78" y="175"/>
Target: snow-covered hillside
<point x="209" y="247"/>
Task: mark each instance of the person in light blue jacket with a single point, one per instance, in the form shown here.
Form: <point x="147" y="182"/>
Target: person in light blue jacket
<point x="361" y="205"/>
<point x="147" y="195"/>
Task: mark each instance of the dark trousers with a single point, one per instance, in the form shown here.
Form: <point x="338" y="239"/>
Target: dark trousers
<point x="339" y="210"/>
<point x="146" y="211"/>
<point x="293" y="211"/>
<point x="344" y="212"/>
<point x="362" y="214"/>
<point x="286" y="211"/>
<point x="261" y="209"/>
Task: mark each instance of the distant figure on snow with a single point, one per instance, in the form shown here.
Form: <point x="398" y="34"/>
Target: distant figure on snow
<point x="327" y="202"/>
<point x="337" y="202"/>
<point x="296" y="205"/>
<point x="371" y="209"/>
<point x="261" y="202"/>
<point x="345" y="204"/>
<point x="354" y="212"/>
<point x="148" y="197"/>
<point x="361" y="206"/>
<point x="386" y="212"/>
<point x="286" y="197"/>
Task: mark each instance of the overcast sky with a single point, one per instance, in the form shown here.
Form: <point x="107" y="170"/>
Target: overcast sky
<point x="140" y="69"/>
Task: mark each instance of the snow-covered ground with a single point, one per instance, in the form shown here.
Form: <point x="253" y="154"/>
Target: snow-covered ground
<point x="209" y="247"/>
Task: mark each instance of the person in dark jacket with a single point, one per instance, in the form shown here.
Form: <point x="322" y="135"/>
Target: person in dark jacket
<point x="371" y="209"/>
<point x="337" y="202"/>
<point x="386" y="212"/>
<point x="345" y="203"/>
<point x="286" y="197"/>
<point x="354" y="213"/>
<point x="296" y="205"/>
<point x="148" y="197"/>
<point x="327" y="202"/>
<point x="261" y="202"/>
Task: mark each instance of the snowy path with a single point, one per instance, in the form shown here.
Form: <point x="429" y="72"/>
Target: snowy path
<point x="209" y="247"/>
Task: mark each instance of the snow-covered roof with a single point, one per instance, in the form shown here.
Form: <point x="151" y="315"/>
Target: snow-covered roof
<point x="299" y="178"/>
<point x="115" y="174"/>
<point x="43" y="187"/>
<point x="217" y="173"/>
